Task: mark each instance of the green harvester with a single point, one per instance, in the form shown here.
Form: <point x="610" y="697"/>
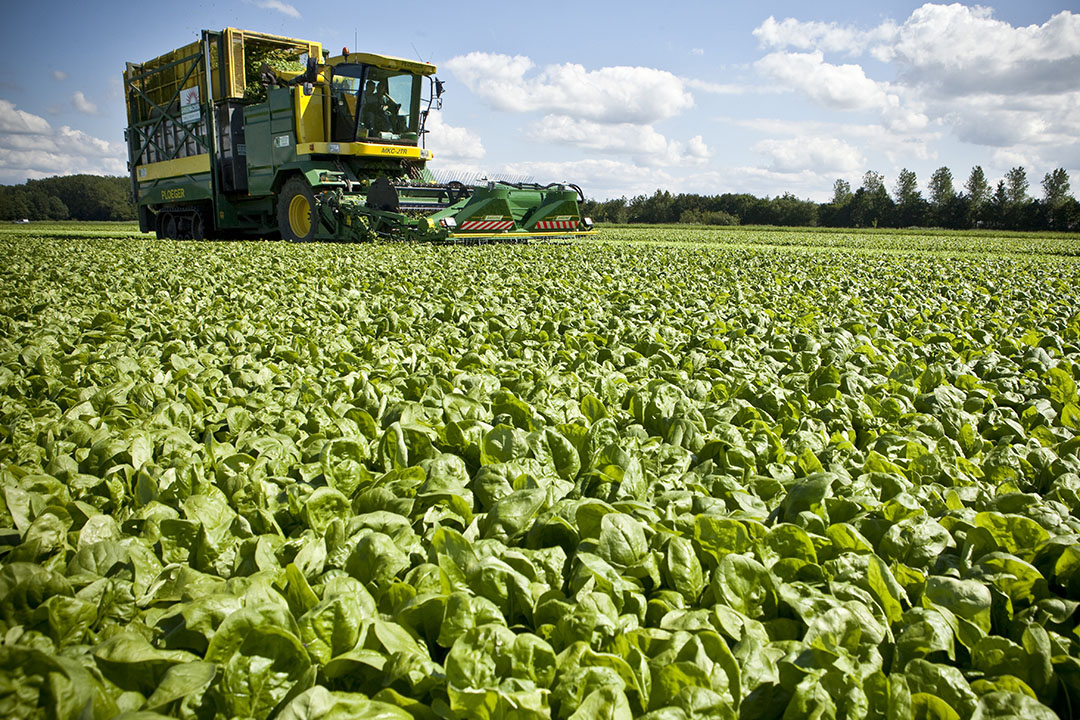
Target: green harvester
<point x="249" y="134"/>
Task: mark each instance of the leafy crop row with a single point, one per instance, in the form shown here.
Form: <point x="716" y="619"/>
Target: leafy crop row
<point x="591" y="480"/>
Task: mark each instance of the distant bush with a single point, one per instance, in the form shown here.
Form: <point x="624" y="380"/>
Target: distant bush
<point x="74" y="197"/>
<point x="708" y="217"/>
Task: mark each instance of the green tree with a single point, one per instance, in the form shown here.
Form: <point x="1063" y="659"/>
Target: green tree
<point x="947" y="209"/>
<point x="978" y="194"/>
<point x="841" y="192"/>
<point x="907" y="187"/>
<point x="941" y="187"/>
<point x="911" y="207"/>
<point x="1056" y="187"/>
<point x="978" y="189"/>
<point x="873" y="182"/>
<point x="837" y="213"/>
<point x="998" y="207"/>
<point x="57" y="209"/>
<point x="1016" y="185"/>
<point x="1060" y="207"/>
<point x="790" y="211"/>
<point x="872" y="206"/>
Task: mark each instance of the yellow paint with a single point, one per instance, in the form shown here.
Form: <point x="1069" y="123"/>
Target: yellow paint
<point x="235" y="41"/>
<point x="386" y="62"/>
<point x="309" y="115"/>
<point x="173" y="168"/>
<point x="362" y="149"/>
<point x="300" y="216"/>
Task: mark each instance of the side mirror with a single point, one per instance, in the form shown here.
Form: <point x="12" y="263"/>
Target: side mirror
<point x="438" y="88"/>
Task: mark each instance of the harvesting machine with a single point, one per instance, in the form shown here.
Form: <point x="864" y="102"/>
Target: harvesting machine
<point x="245" y="133"/>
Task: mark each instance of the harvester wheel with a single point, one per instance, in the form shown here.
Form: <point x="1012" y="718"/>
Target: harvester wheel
<point x="296" y="211"/>
<point x="198" y="227"/>
<point x="168" y="226"/>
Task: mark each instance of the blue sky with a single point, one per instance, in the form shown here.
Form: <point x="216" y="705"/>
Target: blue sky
<point x="619" y="97"/>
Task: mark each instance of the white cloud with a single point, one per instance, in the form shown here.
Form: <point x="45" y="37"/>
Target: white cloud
<point x="955" y="66"/>
<point x="698" y="52"/>
<point x="641" y="142"/>
<point x="617" y="94"/>
<point x="873" y="139"/>
<point x="82" y="104"/>
<point x="59" y="75"/>
<point x="814" y="35"/>
<point x="730" y="88"/>
<point x="450" y="142"/>
<point x="31" y="148"/>
<point x="697" y="148"/>
<point x="955" y="49"/>
<point x="840" y="87"/>
<point x="276" y="5"/>
<point x="822" y="155"/>
<point x="17" y="122"/>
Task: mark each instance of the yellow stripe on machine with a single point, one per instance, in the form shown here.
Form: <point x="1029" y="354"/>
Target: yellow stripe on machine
<point x="172" y="168"/>
<point x="363" y="149"/>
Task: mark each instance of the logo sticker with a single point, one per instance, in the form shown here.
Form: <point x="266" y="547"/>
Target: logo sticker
<point x="190" y="111"/>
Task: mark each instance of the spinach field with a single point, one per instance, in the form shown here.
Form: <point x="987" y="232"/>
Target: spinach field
<point x="672" y="473"/>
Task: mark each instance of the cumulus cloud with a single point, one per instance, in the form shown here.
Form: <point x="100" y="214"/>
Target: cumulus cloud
<point x="840" y="87"/>
<point x="618" y="94"/>
<point x="964" y="50"/>
<point x="956" y="66"/>
<point x="82" y="104"/>
<point x="17" y="122"/>
<point x="834" y="148"/>
<point x="59" y="75"/>
<point x="642" y="142"/>
<point x="277" y="6"/>
<point x="31" y="148"/>
<point x="814" y="35"/>
<point x="822" y="155"/>
<point x="452" y="143"/>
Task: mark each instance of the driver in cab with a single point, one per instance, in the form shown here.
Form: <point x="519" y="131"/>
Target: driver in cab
<point x="380" y="110"/>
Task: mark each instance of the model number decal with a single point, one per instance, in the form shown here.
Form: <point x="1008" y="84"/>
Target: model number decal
<point x="173" y="194"/>
<point x="393" y="151"/>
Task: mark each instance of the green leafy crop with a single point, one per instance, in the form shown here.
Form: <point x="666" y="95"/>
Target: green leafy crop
<point x="689" y="479"/>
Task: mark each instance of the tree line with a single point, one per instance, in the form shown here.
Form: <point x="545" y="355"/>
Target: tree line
<point x="977" y="204"/>
<point x="1006" y="206"/>
<point x="68" y="197"/>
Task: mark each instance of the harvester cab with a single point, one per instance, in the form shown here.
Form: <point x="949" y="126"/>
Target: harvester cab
<point x="314" y="147"/>
<point x="372" y="98"/>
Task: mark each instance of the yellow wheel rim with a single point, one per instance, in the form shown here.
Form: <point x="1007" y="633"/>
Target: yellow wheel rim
<point x="300" y="216"/>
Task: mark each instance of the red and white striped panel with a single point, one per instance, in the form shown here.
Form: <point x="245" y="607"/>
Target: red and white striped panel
<point x="486" y="225"/>
<point x="556" y="224"/>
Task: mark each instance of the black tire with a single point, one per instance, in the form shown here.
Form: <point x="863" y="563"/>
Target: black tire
<point x="169" y="226"/>
<point x="198" y="227"/>
<point x="297" y="217"/>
